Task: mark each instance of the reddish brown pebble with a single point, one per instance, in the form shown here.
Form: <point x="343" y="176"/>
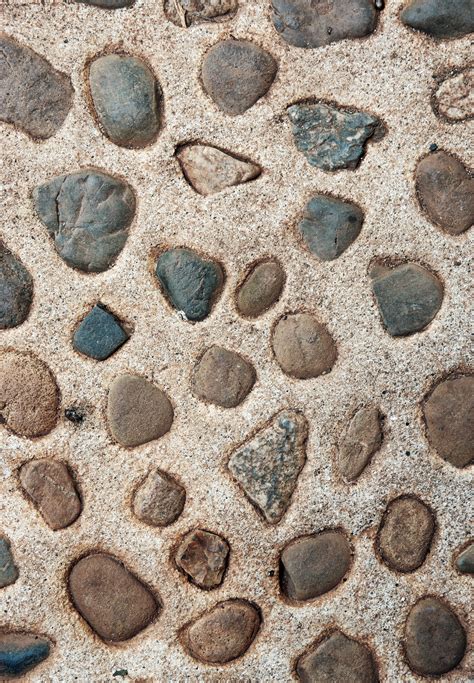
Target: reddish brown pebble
<point x="261" y="288"/>
<point x="159" y="500"/>
<point x="303" y="347"/>
<point x="203" y="555"/>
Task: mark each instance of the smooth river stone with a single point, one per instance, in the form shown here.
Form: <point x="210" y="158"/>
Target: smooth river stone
<point x="185" y="13"/>
<point x="8" y="568"/>
<point x="20" y="653"/>
<point x="223" y="378"/>
<point x="337" y="659"/>
<point x="16" y="290"/>
<point x="440" y="18"/>
<point x="99" y="334"/>
<point x="202" y="555"/>
<point x="261" y="288"/>
<point x="360" y="441"/>
<point x="209" y="170"/>
<point x="454" y="98"/>
<point x="303" y="347"/>
<point x="159" y="500"/>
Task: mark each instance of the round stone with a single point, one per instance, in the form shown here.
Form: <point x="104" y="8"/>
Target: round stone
<point x="261" y="288"/>
<point x="16" y="290"/>
<point x="203" y="555"/>
<point x="302" y="346"/>
<point x="439" y="18"/>
<point x="159" y="500"/>
<point x="223" y="377"/>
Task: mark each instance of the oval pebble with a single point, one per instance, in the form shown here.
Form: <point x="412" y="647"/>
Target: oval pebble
<point x="261" y="288"/>
<point x="303" y="347"/>
<point x="16" y="290"/>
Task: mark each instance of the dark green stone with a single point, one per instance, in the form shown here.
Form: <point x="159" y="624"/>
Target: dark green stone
<point x="16" y="290"/>
<point x="440" y="18"/>
<point x="8" y="569"/>
<point x="99" y="335"/>
<point x="21" y="652"/>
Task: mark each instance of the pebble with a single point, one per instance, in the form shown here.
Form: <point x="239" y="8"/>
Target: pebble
<point x="137" y="411"/>
<point x="261" y="288"/>
<point x="16" y="290"/>
<point x="113" y="601"/>
<point x="20" y="653"/>
<point x="126" y="99"/>
<point x="302" y="346"/>
<point x="8" y="568"/>
<point x="33" y="95"/>
<point x="99" y="334"/>
<point x="405" y="533"/>
<point x="29" y="396"/>
<point x="203" y="556"/>
<point x="223" y="377"/>
<point x="408" y="296"/>
<point x="337" y="659"/>
<point x="314" y="24"/>
<point x="448" y="415"/>
<point x="88" y="215"/>
<point x="223" y="633"/>
<point x="237" y="73"/>
<point x="440" y="18"/>
<point x="313" y="565"/>
<point x="360" y="441"/>
<point x="445" y="189"/>
<point x="454" y="98"/>
<point x="435" y="640"/>
<point x="108" y="4"/>
<point x="191" y="282"/>
<point x="331" y="138"/>
<point x="209" y="169"/>
<point x="268" y="464"/>
<point x="51" y="488"/>
<point x="330" y="225"/>
<point x="185" y="13"/>
<point x="159" y="500"/>
<point x="465" y="560"/>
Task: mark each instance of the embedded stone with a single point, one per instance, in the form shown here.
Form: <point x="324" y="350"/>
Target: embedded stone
<point x="20" y="653"/>
<point x="337" y="659"/>
<point x="454" y="98"/>
<point x="209" y="170"/>
<point x="159" y="500"/>
<point x="222" y="634"/>
<point x="88" y="215"/>
<point x="8" y="568"/>
<point x="108" y="4"/>
<point x="237" y="73"/>
<point x="268" y="464"/>
<point x="137" y="411"/>
<point x="465" y="560"/>
<point x="303" y="347"/>
<point x="188" y="12"/>
<point x="203" y="555"/>
<point x="99" y="334"/>
<point x="16" y="290"/>
<point x="113" y="601"/>
<point x="33" y="95"/>
<point x="360" y="441"/>
<point x="223" y="377"/>
<point x="440" y="19"/>
<point x="261" y="288"/>
<point x="435" y="640"/>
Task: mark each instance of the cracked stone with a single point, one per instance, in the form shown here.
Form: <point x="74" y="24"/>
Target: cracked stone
<point x="223" y="377"/>
<point x="16" y="290"/>
<point x="337" y="659"/>
<point x="465" y="560"/>
<point x="20" y="653"/>
<point x="360" y="441"/>
<point x="8" y="568"/>
<point x="99" y="334"/>
<point x="454" y="98"/>
<point x="203" y="556"/>
<point x="439" y="18"/>
<point x="159" y="500"/>
<point x="188" y="12"/>
<point x="261" y="288"/>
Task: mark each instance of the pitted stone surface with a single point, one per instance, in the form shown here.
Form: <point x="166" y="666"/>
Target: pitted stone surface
<point x="209" y="169"/>
<point x="440" y="19"/>
<point x="99" y="334"/>
<point x="202" y="555"/>
<point x="16" y="290"/>
<point x="185" y="13"/>
<point x="261" y="288"/>
<point x="337" y="659"/>
<point x="8" y="568"/>
<point x="223" y="377"/>
<point x="454" y="98"/>
<point x="360" y="441"/>
<point x="465" y="560"/>
<point x="303" y="347"/>
<point x="20" y="653"/>
<point x="159" y="500"/>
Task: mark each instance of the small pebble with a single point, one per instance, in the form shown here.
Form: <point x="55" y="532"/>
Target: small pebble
<point x="186" y="13"/>
<point x="16" y="290"/>
<point x="360" y="441"/>
<point x="454" y="98"/>
<point x="261" y="288"/>
<point x="337" y="659"/>
<point x="8" y="568"/>
<point x="74" y="416"/>
<point x="108" y="4"/>
<point x="433" y="147"/>
<point x="223" y="377"/>
<point x="99" y="334"/>
<point x="440" y="18"/>
<point x="20" y="653"/>
<point x="465" y="560"/>
<point x="203" y="556"/>
<point x="159" y="500"/>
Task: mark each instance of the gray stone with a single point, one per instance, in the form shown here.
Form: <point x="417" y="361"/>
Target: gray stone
<point x="261" y="288"/>
<point x="209" y="170"/>
<point x="159" y="500"/>
<point x="108" y="4"/>
<point x="303" y="347"/>
<point x="20" y="653"/>
<point x="268" y="464"/>
<point x="16" y="290"/>
<point x="360" y="441"/>
<point x="8" y="568"/>
<point x="203" y="555"/>
<point x="440" y="18"/>
<point x="454" y="98"/>
<point x="187" y="12"/>
<point x="337" y="659"/>
<point x="99" y="334"/>
<point x="465" y="560"/>
<point x="330" y="137"/>
<point x="33" y="95"/>
<point x="223" y="377"/>
<point x="408" y="296"/>
<point x="126" y="97"/>
<point x="88" y="215"/>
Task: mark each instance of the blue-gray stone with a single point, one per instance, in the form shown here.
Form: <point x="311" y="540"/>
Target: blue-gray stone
<point x="21" y="652"/>
<point x="330" y="137"/>
<point x="329" y="225"/>
<point x="465" y="560"/>
<point x="88" y="214"/>
<point x="440" y="18"/>
<point x="8" y="569"/>
<point x="16" y="290"/>
<point x="191" y="282"/>
<point x="99" y="334"/>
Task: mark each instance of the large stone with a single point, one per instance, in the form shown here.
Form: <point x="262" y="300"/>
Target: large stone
<point x="8" y="568"/>
<point x="306" y="23"/>
<point x="16" y="290"/>
<point x="237" y="73"/>
<point x="448" y="414"/>
<point x="360" y="441"/>
<point x="203" y="555"/>
<point x="337" y="659"/>
<point x="435" y="640"/>
<point x="33" y="95"/>
<point x="88" y="215"/>
<point x="268" y="464"/>
<point x="440" y="18"/>
<point x="20" y="653"/>
<point x="222" y="634"/>
<point x="223" y="377"/>
<point x="99" y="334"/>
<point x="465" y="560"/>
<point x="159" y="500"/>
<point x="113" y="601"/>
<point x="188" y="12"/>
<point x="408" y="296"/>
<point x="445" y="189"/>
<point x="209" y="169"/>
<point x="331" y="137"/>
<point x="454" y="98"/>
<point x="260" y="289"/>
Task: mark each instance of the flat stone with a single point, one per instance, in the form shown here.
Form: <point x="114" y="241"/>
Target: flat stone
<point x="203" y="555"/>
<point x="435" y="640"/>
<point x="113" y="601"/>
<point x="191" y="282"/>
<point x="108" y="4"/>
<point x="8" y="568"/>
<point x="360" y="441"/>
<point x="439" y="18"/>
<point x="99" y="334"/>
<point x="16" y="290"/>
<point x="237" y="73"/>
<point x="261" y="288"/>
<point x="126" y="98"/>
<point x="330" y="225"/>
<point x="20" y="653"/>
<point x="223" y="377"/>
<point x="454" y="98"/>
<point x="448" y="415"/>
<point x="305" y="23"/>
<point x="159" y="500"/>
<point x="88" y="215"/>
<point x="445" y="189"/>
<point x="268" y="464"/>
<point x="337" y="659"/>
<point x="303" y="347"/>
<point x="51" y="488"/>
<point x="222" y="634"/>
<point x="330" y="137"/>
<point x="465" y="560"/>
<point x="137" y="411"/>
<point x="33" y="95"/>
<point x="408" y="296"/>
<point x="188" y="12"/>
<point x="209" y="170"/>
<point x="29" y="396"/>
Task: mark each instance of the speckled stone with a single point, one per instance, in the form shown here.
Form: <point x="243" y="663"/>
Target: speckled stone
<point x="159" y="500"/>
<point x="440" y="18"/>
<point x="33" y="95"/>
<point x="268" y="464"/>
<point x="185" y="13"/>
<point x="209" y="170"/>
<point x="454" y="98"/>
<point x="465" y="560"/>
<point x="337" y="659"/>
<point x="237" y="73"/>
<point x="16" y="290"/>
<point x="303" y="347"/>
<point x="261" y="288"/>
<point x="203" y="555"/>
<point x="20" y="653"/>
<point x="360" y="441"/>
<point x="99" y="334"/>
<point x="8" y="568"/>
<point x="88" y="215"/>
<point x="223" y="377"/>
